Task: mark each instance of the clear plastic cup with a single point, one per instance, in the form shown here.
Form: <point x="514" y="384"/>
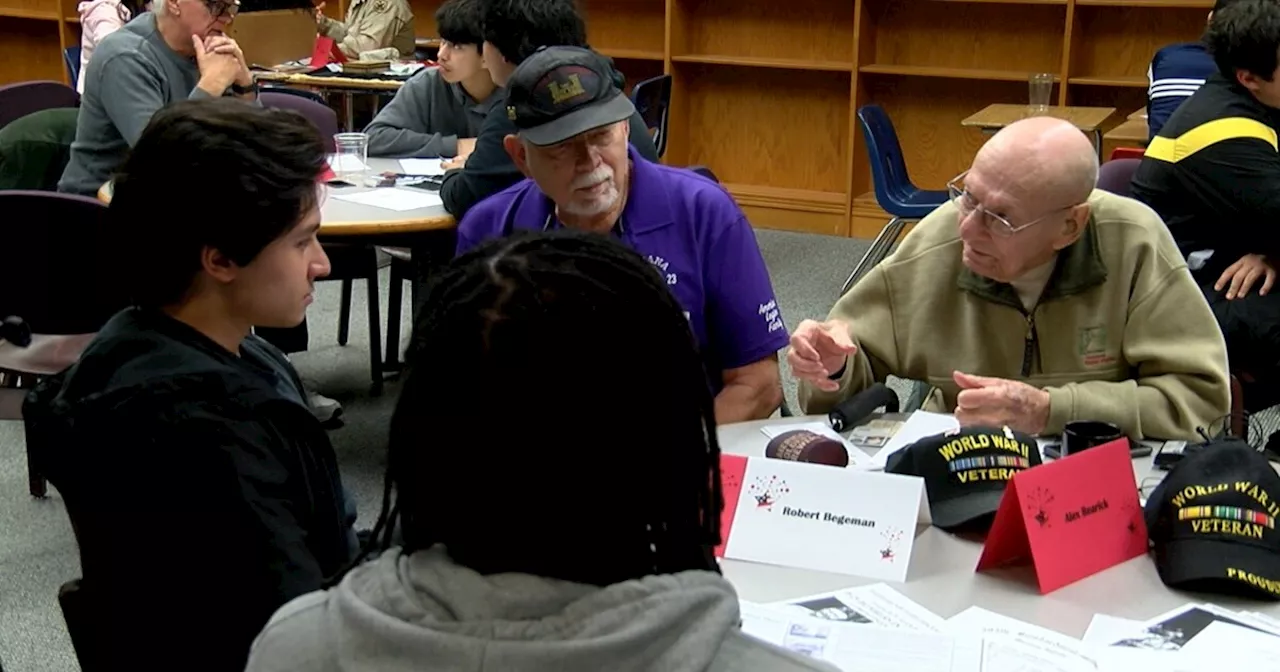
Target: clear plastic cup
<point x="1040" y="88"/>
<point x="351" y="157"/>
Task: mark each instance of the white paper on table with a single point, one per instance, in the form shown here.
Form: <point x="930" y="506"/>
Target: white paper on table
<point x="917" y="426"/>
<point x="1263" y="620"/>
<point x="1011" y="645"/>
<point x="399" y="200"/>
<point x="1247" y="618"/>
<point x="343" y="163"/>
<point x="406" y="68"/>
<point x="1192" y="639"/>
<point x="1124" y="659"/>
<point x="876" y="604"/>
<point x="1104" y="629"/>
<point x="1176" y="628"/>
<point x="422" y="166"/>
<point x="857" y="648"/>
<point x="1243" y="647"/>
<point x="858" y="458"/>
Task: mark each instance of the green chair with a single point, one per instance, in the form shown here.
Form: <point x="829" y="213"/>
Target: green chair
<point x="34" y="149"/>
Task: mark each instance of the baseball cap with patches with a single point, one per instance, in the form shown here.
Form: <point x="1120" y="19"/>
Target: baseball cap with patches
<point x="560" y="92"/>
<point x="1212" y="522"/>
<point x="965" y="472"/>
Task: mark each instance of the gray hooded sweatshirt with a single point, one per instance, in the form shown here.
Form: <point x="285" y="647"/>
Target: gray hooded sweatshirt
<point x="426" y="118"/>
<point x="423" y="612"/>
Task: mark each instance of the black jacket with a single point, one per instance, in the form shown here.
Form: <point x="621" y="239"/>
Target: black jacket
<point x="203" y="497"/>
<point x="1213" y="173"/>
<point x="490" y="169"/>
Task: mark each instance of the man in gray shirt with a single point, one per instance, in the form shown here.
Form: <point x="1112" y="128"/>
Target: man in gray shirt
<point x="177" y="51"/>
<point x="439" y="112"/>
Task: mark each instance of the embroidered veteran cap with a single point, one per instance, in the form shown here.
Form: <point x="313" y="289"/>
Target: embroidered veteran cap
<point x="1212" y="522"/>
<point x="560" y="92"/>
<point x="965" y="472"/>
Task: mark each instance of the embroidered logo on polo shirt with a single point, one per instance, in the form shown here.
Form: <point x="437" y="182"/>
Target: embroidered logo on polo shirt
<point x="772" y="318"/>
<point x="664" y="269"/>
<point x="1092" y="347"/>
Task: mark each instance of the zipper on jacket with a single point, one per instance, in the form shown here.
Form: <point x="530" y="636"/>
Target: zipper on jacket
<point x="1029" y="344"/>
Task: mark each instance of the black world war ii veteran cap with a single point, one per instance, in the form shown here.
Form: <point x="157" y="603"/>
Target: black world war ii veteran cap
<point x="1212" y="522"/>
<point x="965" y="472"/>
<point x="560" y="92"/>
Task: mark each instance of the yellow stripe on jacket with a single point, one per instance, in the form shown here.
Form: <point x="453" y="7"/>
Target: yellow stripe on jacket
<point x="1173" y="150"/>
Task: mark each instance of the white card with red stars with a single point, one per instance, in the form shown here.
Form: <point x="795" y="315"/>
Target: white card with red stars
<point x="819" y="517"/>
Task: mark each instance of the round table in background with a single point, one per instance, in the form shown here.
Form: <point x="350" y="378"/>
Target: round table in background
<point x="343" y="218"/>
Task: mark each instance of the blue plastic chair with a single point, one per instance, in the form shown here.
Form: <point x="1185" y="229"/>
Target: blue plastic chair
<point x="71" y="55"/>
<point x="895" y="193"/>
<point x="652" y="99"/>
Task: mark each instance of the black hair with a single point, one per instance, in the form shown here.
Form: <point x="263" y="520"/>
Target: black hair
<point x="459" y="22"/>
<point x="213" y="173"/>
<point x="1245" y="35"/>
<point x="1222" y="4"/>
<point x="555" y="418"/>
<point x="518" y="27"/>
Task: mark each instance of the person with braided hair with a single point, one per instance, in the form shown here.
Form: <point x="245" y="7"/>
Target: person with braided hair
<point x="578" y="533"/>
<point x="571" y="141"/>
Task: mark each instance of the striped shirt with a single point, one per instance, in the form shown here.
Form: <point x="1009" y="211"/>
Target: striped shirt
<point x="1176" y="72"/>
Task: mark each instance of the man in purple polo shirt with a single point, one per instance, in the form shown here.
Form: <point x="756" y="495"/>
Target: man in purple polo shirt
<point x="572" y="143"/>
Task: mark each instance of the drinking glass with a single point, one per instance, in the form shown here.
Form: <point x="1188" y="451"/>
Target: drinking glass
<point x="352" y="157"/>
<point x="1040" y="87"/>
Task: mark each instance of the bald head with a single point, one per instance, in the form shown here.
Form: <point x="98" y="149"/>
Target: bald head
<point x="1041" y="158"/>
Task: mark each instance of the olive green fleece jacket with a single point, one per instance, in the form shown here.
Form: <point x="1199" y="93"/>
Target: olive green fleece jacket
<point x="1121" y="333"/>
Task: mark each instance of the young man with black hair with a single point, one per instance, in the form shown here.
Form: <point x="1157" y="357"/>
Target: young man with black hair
<point x="1213" y="174"/>
<point x="514" y="30"/>
<point x="583" y="572"/>
<point x="439" y="112"/>
<point x="202" y="492"/>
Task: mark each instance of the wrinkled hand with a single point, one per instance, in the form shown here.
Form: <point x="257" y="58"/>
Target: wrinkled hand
<point x="221" y="44"/>
<point x="218" y="69"/>
<point x="819" y="349"/>
<point x="1240" y="276"/>
<point x="455" y="162"/>
<point x="997" y="402"/>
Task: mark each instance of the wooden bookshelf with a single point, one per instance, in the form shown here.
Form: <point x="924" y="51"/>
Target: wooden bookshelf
<point x="32" y="36"/>
<point x="766" y="93"/>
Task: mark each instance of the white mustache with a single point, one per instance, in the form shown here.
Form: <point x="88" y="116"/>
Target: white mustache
<point x="593" y="178"/>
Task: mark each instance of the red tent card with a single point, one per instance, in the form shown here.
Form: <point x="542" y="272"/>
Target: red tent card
<point x="1072" y="518"/>
<point x="732" y="470"/>
<point x="326" y="52"/>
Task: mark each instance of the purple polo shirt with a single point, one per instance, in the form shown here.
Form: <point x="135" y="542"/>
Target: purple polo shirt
<point x="696" y="237"/>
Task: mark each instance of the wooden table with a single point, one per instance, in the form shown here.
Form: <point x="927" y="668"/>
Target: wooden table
<point x="345" y="87"/>
<point x="1132" y="133"/>
<point x="344" y="219"/>
<point x="330" y="83"/>
<point x="995" y="117"/>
